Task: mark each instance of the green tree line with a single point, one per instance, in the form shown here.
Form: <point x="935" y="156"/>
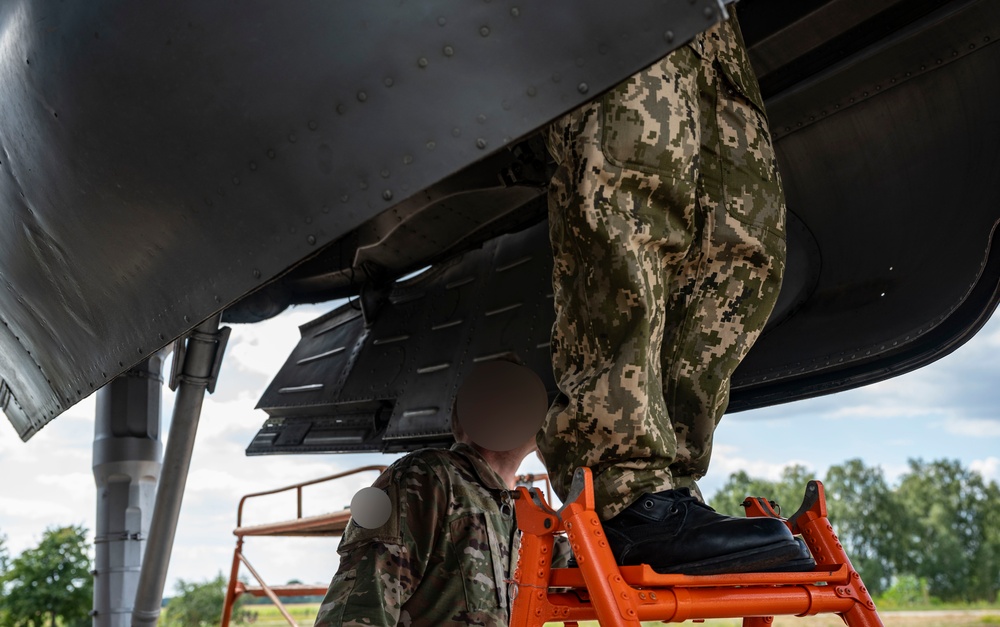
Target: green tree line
<point x="936" y="534"/>
<point x="49" y="584"/>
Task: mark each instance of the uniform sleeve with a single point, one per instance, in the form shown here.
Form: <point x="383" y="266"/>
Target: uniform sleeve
<point x="381" y="568"/>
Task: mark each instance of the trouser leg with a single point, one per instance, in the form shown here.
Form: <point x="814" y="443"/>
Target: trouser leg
<point x="619" y="222"/>
<point x="663" y="276"/>
<point x="717" y="316"/>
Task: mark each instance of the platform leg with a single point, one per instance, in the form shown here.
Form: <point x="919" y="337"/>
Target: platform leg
<point x="234" y="572"/>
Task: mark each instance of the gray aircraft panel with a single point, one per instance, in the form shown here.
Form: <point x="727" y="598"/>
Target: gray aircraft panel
<point x="161" y="160"/>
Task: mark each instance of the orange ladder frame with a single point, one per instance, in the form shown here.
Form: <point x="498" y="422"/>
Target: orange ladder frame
<point x="623" y="596"/>
<point x="332" y="524"/>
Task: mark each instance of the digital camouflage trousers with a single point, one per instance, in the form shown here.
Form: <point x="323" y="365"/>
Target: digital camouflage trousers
<point x="667" y="225"/>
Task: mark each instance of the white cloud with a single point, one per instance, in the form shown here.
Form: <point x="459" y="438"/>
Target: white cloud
<point x="973" y="427"/>
<point x="989" y="468"/>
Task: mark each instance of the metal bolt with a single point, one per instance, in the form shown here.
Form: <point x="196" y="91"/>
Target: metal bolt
<point x="669" y="36"/>
<point x="387" y="194"/>
<point x="311" y="239"/>
<point x="583" y="88"/>
<point x="449" y="51"/>
<point x="388" y="82"/>
<point x="362" y="96"/>
<point x="484" y="31"/>
<point x="515" y="12"/>
<point x="480" y="143"/>
<point x="422" y="62"/>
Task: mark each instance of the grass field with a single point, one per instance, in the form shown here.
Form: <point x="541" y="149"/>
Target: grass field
<point x="305" y="614"/>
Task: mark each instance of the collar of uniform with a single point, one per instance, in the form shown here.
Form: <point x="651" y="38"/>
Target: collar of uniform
<point x="487" y="476"/>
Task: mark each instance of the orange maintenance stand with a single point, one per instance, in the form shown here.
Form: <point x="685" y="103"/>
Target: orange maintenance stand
<point x="623" y="596"/>
<point x="332" y="524"/>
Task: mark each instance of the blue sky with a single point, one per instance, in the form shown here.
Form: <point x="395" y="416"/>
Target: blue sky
<point x="950" y="409"/>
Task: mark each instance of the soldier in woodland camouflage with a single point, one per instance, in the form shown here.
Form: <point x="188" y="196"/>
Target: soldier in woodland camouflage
<point x="450" y="546"/>
<point x="667" y="220"/>
<point x="444" y="555"/>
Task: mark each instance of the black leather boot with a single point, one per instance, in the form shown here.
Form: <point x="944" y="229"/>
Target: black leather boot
<point x="804" y="562"/>
<point x="674" y="532"/>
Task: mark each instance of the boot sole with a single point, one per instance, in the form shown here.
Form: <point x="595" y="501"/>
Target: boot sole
<point x="770" y="557"/>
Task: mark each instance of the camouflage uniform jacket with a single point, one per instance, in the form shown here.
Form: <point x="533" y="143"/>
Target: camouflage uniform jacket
<point x="443" y="556"/>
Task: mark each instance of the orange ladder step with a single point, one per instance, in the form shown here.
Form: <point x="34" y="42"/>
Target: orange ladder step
<point x="598" y="589"/>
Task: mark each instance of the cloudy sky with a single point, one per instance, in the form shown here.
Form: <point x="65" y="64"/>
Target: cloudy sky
<point x="950" y="409"/>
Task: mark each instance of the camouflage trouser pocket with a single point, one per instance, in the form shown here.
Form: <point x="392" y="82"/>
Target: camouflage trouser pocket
<point x="648" y="122"/>
<point x="471" y="538"/>
<point x="751" y="185"/>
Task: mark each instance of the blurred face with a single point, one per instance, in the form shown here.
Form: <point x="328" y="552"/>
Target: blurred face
<point x="501" y="406"/>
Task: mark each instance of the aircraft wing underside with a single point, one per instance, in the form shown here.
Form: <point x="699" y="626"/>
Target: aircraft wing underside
<point x="161" y="160"/>
<point x="163" y="163"/>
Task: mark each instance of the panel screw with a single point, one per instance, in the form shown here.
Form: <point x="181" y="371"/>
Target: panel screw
<point x="362" y="96"/>
<point x="669" y="36"/>
<point x="515" y="12"/>
<point x="583" y="88"/>
<point x="480" y="143"/>
<point x="387" y="194"/>
<point x="485" y="31"/>
<point x="449" y="51"/>
<point x="311" y="240"/>
<point x="422" y="62"/>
